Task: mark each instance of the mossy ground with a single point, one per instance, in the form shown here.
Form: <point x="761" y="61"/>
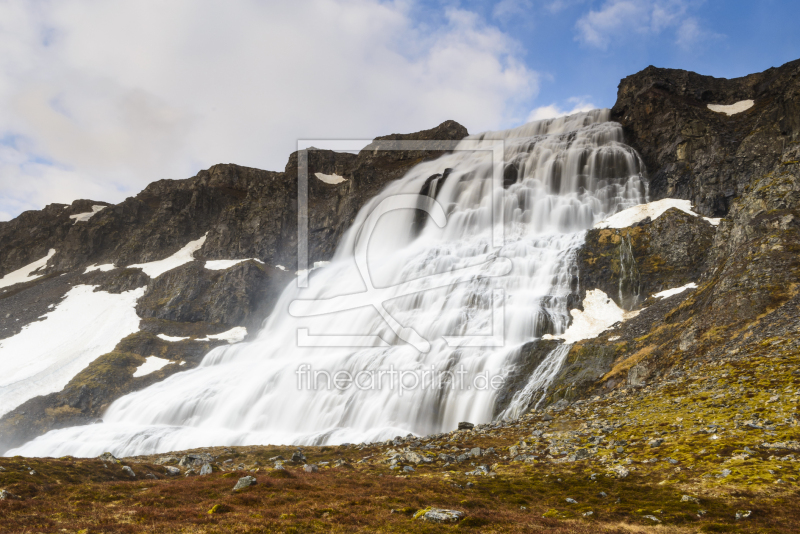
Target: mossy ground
<point x="708" y="418"/>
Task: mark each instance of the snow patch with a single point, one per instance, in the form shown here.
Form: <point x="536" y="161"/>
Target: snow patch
<point x="732" y="109"/>
<point x="102" y="268"/>
<point x="234" y="335"/>
<point x="674" y="291"/>
<point x="83" y="217"/>
<point x="317" y="265"/>
<point x="47" y="354"/>
<point x="151" y="365"/>
<point x="184" y="255"/>
<point x="332" y="179"/>
<point x="654" y="210"/>
<point x="171" y="339"/>
<point x="221" y="265"/>
<point x="25" y="274"/>
<point x="598" y="315"/>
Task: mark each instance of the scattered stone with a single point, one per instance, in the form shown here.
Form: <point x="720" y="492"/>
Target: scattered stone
<point x="206" y="469"/>
<point x="244" y="482"/>
<point x="571" y="500"/>
<point x="298" y="457"/>
<point x="603" y="494"/>
<point x="6" y="496"/>
<point x="547" y="417"/>
<point x="32" y="472"/>
<point x="620" y="471"/>
<point x="151" y="476"/>
<point x="743" y="514"/>
<point x="172" y="471"/>
<point x="653" y="518"/>
<point x="408" y="469"/>
<point x="656" y="442"/>
<point x="475" y="452"/>
<point x="439" y="515"/>
<point x="587" y="514"/>
<point x="310" y="468"/>
<point x="464" y="425"/>
<point x="689" y="498"/>
<point x="128" y="471"/>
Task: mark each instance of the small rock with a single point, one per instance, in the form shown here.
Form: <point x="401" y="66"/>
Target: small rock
<point x="620" y="450"/>
<point x="689" y="498"/>
<point x="464" y="425"/>
<point x="408" y="469"/>
<point x="151" y="475"/>
<point x="725" y="473"/>
<point x="470" y="484"/>
<point x="656" y="443"/>
<point x="439" y="515"/>
<point x="128" y="471"/>
<point x="244" y="482"/>
<point x="653" y="518"/>
<point x="475" y="452"/>
<point x="587" y="514"/>
<point x="603" y="494"/>
<point x="620" y="471"/>
<point x="107" y="457"/>
<point x="310" y="468"/>
<point x="32" y="472"/>
<point x="5" y="495"/>
<point x="206" y="469"/>
<point x="298" y="457"/>
<point x="743" y="514"/>
<point x="547" y="417"/>
<point x="172" y="471"/>
<point x="571" y="501"/>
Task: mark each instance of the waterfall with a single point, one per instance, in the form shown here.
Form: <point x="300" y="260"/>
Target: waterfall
<point x="443" y="286"/>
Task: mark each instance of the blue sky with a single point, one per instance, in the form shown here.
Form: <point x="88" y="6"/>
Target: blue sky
<point x="97" y="99"/>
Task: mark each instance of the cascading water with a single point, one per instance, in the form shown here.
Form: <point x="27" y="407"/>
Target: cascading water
<point x="561" y="176"/>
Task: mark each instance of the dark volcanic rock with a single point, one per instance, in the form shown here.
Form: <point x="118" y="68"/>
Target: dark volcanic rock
<point x="694" y="153"/>
<point x="240" y="295"/>
<point x="629" y="264"/>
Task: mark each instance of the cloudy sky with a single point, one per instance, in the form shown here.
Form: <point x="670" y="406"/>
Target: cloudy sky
<point x="100" y="97"/>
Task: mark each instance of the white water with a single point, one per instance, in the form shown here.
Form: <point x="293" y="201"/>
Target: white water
<point x="573" y="172"/>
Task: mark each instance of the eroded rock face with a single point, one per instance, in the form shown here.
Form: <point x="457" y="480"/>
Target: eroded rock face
<point x="695" y="153"/>
<point x="630" y="264"/>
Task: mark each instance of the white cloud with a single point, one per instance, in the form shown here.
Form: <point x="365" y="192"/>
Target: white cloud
<point x="617" y="20"/>
<point x="553" y="110"/>
<point x="508" y="9"/>
<point x="98" y="99"/>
